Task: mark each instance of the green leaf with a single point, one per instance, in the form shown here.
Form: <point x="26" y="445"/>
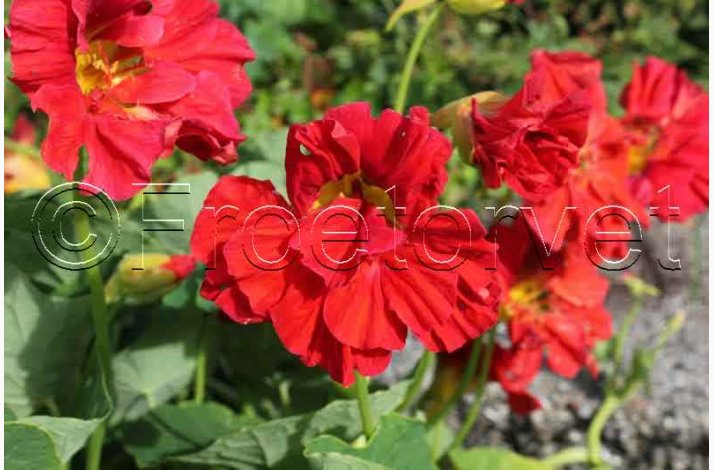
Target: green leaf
<point x="67" y="435"/>
<point x="20" y="248"/>
<point x="494" y="458"/>
<point x="178" y="206"/>
<point x="277" y="443"/>
<point x="158" y="366"/>
<point x="29" y="447"/>
<point x="407" y="6"/>
<point x="177" y="429"/>
<point x="398" y="443"/>
<point x="46" y="344"/>
<point x="440" y="438"/>
<point x="264" y="170"/>
<point x="332" y="461"/>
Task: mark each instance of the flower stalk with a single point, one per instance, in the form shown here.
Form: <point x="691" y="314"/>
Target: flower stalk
<point x="424" y="364"/>
<point x="199" y="387"/>
<point x="475" y="409"/>
<point x="100" y="321"/>
<point x="463" y="385"/>
<point x="405" y="78"/>
<point x="362" y="391"/>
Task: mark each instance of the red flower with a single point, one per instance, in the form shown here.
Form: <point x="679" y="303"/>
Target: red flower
<point x="558" y="314"/>
<point x="532" y="141"/>
<point x="600" y="178"/>
<point x="385" y="173"/>
<point x="128" y="80"/>
<point x="667" y="120"/>
<point x="180" y="265"/>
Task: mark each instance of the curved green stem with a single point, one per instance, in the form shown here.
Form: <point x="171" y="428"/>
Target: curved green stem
<point x="100" y="320"/>
<point x="619" y="345"/>
<point x="466" y="378"/>
<point x="427" y="359"/>
<point x="406" y="76"/>
<point x="365" y="411"/>
<point x="475" y="409"/>
<point x="567" y="456"/>
<point x="608" y="407"/>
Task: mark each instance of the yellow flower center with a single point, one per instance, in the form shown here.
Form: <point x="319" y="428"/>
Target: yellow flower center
<point x="527" y="294"/>
<point x="347" y="187"/>
<point x="639" y="154"/>
<point x="637" y="158"/>
<point x="104" y="65"/>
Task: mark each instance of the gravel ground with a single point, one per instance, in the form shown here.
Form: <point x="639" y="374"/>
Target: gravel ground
<point x="664" y="428"/>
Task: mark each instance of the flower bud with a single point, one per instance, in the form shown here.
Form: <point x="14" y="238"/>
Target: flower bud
<point x="140" y="281"/>
<point x="457" y="117"/>
<point x="475" y="7"/>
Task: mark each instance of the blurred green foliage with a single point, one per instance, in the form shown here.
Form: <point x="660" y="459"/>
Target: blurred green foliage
<point x="338" y="51"/>
<point x="311" y="53"/>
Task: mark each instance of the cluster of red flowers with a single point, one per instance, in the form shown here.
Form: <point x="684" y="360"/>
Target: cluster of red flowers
<point x="556" y="146"/>
<point x="129" y="80"/>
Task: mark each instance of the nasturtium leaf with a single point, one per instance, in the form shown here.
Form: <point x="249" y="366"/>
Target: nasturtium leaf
<point x="157" y="366"/>
<point x="398" y="443"/>
<point x="178" y="429"/>
<point x="279" y="443"/>
<point x="334" y="461"/>
<point x="440" y="437"/>
<point x="46" y="344"/>
<point x="264" y="170"/>
<point x="169" y="212"/>
<point x="494" y="458"/>
<point x="20" y="248"/>
<point x="68" y="435"/>
<point x="29" y="447"/>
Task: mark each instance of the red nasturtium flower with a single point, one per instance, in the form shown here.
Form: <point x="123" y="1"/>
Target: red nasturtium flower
<point x="599" y="177"/>
<point x="369" y="183"/>
<point x="532" y="141"/>
<point x="559" y="314"/>
<point x="600" y="180"/>
<point x="667" y="123"/>
<point x="129" y="79"/>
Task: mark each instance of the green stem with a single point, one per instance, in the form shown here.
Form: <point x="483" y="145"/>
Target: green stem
<point x="567" y="456"/>
<point x="608" y="407"/>
<point x="199" y="386"/>
<point x="619" y="344"/>
<point x="365" y="411"/>
<point x="466" y="378"/>
<point x="100" y="320"/>
<point x="475" y="409"/>
<point x="406" y="76"/>
<point x="427" y="359"/>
